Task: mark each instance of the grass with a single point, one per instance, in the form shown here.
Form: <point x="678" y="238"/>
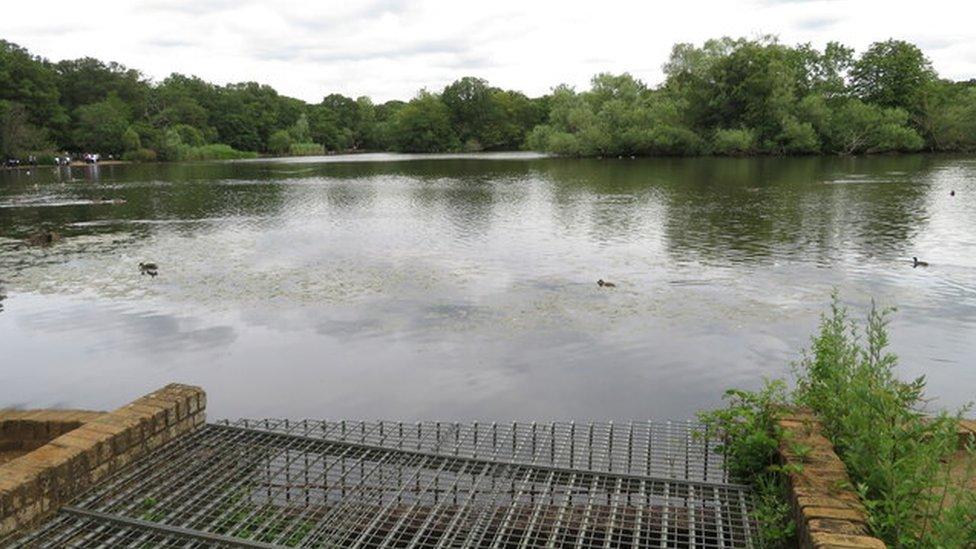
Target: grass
<point x="215" y="151"/>
<point x="306" y="149"/>
<point x="898" y="455"/>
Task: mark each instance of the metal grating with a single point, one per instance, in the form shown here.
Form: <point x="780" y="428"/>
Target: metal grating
<point x="277" y="483"/>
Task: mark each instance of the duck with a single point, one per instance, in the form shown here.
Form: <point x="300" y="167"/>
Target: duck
<point x="150" y="269"/>
<point x="44" y="238"/>
<point x="604" y="284"/>
<point x="952" y="193"/>
<point x="917" y="263"/>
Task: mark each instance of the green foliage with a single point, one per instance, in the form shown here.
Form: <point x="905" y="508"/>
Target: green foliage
<point x="280" y="142"/>
<point x="216" y="151"/>
<point x="306" y="149"/>
<point x="734" y="142"/>
<point x="18" y="135"/>
<point x="32" y="82"/>
<point x="893" y="73"/>
<point x="131" y="140"/>
<point x="789" y="99"/>
<point x="857" y="127"/>
<point x="100" y="126"/>
<point x="895" y="454"/>
<point x="949" y="120"/>
<point x="189" y="135"/>
<point x="140" y="155"/>
<point x="424" y="125"/>
<point x="748" y="427"/>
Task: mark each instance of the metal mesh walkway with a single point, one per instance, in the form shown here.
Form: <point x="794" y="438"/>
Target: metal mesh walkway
<point x="384" y="484"/>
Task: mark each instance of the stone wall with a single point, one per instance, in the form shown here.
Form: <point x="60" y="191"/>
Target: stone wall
<point x="828" y="512"/>
<point x="84" y="448"/>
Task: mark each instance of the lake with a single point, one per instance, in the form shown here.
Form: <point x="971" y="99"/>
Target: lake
<point x="464" y="287"/>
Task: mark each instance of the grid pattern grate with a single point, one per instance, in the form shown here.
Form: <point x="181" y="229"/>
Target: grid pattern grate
<point x="275" y="483"/>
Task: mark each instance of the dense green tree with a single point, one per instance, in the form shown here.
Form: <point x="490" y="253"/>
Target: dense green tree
<point x="99" y="127"/>
<point x="280" y="142"/>
<point x="31" y="82"/>
<point x="18" y="136"/>
<point x="469" y="101"/>
<point x="424" y="125"/>
<point x="131" y="140"/>
<point x="727" y="96"/>
<point x="86" y="81"/>
<point x="893" y="73"/>
<point x="299" y="131"/>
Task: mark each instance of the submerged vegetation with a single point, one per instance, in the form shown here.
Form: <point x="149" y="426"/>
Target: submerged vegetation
<point x="898" y="456"/>
<point x="727" y="97"/>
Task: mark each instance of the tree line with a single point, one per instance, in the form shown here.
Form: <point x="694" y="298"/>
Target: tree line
<point x="727" y="96"/>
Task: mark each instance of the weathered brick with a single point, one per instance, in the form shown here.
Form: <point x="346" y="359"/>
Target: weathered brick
<point x="827" y="540"/>
<point x="79" y="448"/>
<point x="837" y="526"/>
<point x="833" y="513"/>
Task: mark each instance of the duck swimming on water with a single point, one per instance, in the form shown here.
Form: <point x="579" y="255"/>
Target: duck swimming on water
<point x="604" y="284"/>
<point x="917" y="263"/>
<point x="150" y="269"/>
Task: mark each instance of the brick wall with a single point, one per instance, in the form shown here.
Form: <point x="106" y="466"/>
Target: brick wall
<point x="80" y="452"/>
<point x="828" y="512"/>
<point x="24" y="430"/>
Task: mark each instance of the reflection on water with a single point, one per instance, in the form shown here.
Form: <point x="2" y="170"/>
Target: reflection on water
<point x="383" y="286"/>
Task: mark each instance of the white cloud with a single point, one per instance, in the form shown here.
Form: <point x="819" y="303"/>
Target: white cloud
<point x="390" y="48"/>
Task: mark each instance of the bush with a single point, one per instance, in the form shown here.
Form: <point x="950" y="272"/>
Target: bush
<point x="280" y="142"/>
<point x="734" y="142"/>
<point x="749" y="428"/>
<point x="140" y="155"/>
<point x="895" y="454"/>
<point x="131" y="140"/>
<point x="799" y="137"/>
<point x="306" y="149"/>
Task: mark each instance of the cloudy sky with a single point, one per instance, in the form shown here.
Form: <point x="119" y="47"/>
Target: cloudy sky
<point x="388" y="49"/>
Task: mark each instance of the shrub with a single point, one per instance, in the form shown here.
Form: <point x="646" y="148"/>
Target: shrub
<point x="895" y="454"/>
<point x="140" y="155"/>
<point x="799" y="137"/>
<point x="748" y="427"/>
<point x="279" y="142"/>
<point x="131" y="140"/>
<point x="734" y="142"/>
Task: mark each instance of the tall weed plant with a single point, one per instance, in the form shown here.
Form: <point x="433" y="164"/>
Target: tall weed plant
<point x="897" y="454"/>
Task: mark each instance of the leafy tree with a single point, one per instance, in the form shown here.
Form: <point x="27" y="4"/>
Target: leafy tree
<point x="280" y="142"/>
<point x="299" y="131"/>
<point x="470" y="103"/>
<point x="948" y="117"/>
<point x="131" y="140"/>
<point x="858" y="127"/>
<point x="424" y="125"/>
<point x="31" y="82"/>
<point x="893" y="73"/>
<point x="189" y="135"/>
<point x="734" y="142"/>
<point x="86" y="81"/>
<point x="17" y="135"/>
<point x="99" y="127"/>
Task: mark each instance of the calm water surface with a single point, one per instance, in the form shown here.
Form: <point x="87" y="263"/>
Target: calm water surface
<point x="383" y="286"/>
